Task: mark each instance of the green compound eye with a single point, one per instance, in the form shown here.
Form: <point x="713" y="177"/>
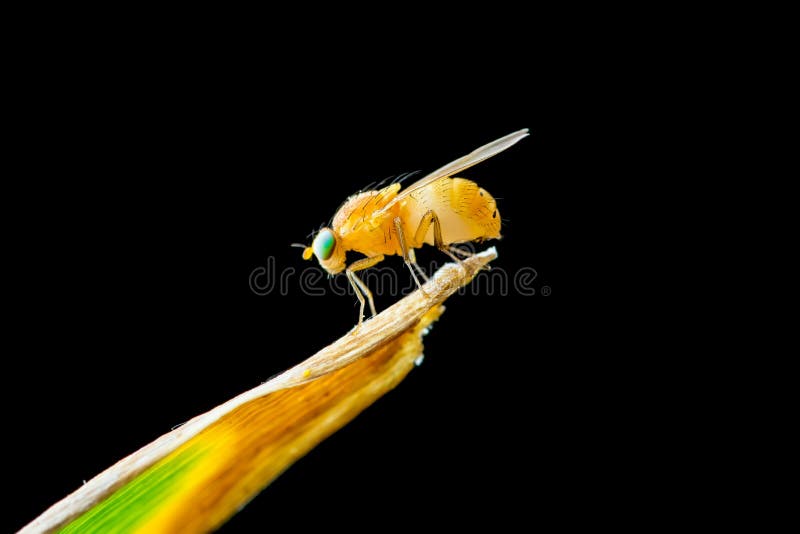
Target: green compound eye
<point x="324" y="244"/>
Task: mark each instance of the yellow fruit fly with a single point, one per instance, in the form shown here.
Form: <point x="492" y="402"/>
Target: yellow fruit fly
<point x="437" y="209"/>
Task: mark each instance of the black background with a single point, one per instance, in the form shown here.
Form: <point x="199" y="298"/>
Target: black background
<point x="136" y="312"/>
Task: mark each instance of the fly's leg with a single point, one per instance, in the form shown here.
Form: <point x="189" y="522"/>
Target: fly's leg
<point x="359" y="287"/>
<point x="460" y="251"/>
<point x="413" y="257"/>
<point x="422" y="229"/>
<point x="357" y="291"/>
<point x="467" y="254"/>
<point x="408" y="254"/>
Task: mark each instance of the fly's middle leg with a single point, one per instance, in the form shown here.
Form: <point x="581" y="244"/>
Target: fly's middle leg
<point x="408" y="255"/>
<point x="413" y="258"/>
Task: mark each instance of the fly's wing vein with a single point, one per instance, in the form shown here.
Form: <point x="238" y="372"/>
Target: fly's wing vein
<point x="473" y="158"/>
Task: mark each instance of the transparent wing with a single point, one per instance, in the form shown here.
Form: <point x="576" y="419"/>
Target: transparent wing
<point x="476" y="156"/>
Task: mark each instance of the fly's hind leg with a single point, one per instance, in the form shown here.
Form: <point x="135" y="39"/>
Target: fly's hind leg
<point x="468" y="254"/>
<point x="461" y="252"/>
<point x="424" y="224"/>
<point x="359" y="287"/>
<point x="408" y="255"/>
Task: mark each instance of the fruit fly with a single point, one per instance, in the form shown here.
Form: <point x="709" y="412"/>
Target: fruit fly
<point x="438" y="210"/>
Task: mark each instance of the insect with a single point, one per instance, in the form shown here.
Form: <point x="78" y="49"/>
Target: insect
<point x="438" y="210"/>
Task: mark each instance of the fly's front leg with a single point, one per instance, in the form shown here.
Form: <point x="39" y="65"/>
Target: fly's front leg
<point x="357" y="291"/>
<point x="360" y="287"/>
<point x="422" y="230"/>
<point x="408" y="254"/>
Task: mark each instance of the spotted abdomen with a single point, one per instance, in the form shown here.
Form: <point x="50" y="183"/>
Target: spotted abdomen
<point x="466" y="211"/>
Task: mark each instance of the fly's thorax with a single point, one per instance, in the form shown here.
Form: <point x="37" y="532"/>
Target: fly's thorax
<point x="374" y="237"/>
<point x="363" y="226"/>
<point x="359" y="209"/>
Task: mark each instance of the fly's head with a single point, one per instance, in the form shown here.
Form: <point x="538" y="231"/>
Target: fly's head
<point x="328" y="250"/>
